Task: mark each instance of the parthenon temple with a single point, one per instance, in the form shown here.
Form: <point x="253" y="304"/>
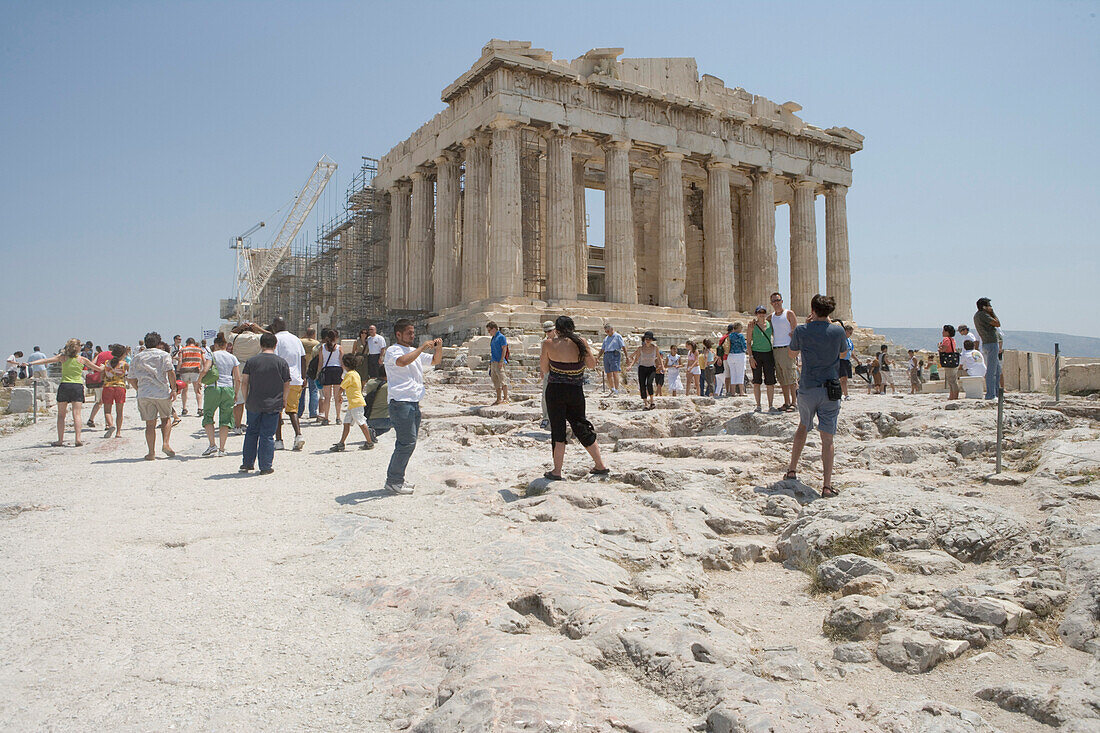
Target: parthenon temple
<point x="487" y="199"/>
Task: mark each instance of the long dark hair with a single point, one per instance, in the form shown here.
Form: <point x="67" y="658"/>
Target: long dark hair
<point x="566" y="329"/>
<point x="117" y="352"/>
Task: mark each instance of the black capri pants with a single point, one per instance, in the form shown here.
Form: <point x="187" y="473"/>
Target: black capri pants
<point x="646" y="377"/>
<point x="565" y="403"/>
<point x="764" y="371"/>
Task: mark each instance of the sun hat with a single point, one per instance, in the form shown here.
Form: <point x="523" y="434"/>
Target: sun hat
<point x="648" y="335"/>
<point x="547" y="326"/>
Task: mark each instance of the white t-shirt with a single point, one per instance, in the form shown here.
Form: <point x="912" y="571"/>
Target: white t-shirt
<point x="291" y="349"/>
<point x="781" y="329"/>
<point x="376" y="344"/>
<point x="973" y="363"/>
<point x="960" y="339"/>
<point x="225" y="363"/>
<point x="405" y="384"/>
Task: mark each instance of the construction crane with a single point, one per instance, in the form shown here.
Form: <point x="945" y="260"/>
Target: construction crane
<point x="241" y="245"/>
<point x="257" y="265"/>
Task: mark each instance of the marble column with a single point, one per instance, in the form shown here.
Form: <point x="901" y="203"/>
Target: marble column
<point x="561" y="229"/>
<point x="838" y="274"/>
<point x="764" y="279"/>
<point x="420" y="241"/>
<point x="738" y="268"/>
<point x="746" y="265"/>
<point x="506" y="213"/>
<point x="620" y="267"/>
<point x="672" y="253"/>
<point x="475" y="220"/>
<point x="397" y="269"/>
<point x="580" y="221"/>
<point x="804" y="274"/>
<point x="446" y="269"/>
<point x="718" y="241"/>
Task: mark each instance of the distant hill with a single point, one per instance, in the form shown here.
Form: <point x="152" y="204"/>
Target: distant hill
<point x="1041" y="341"/>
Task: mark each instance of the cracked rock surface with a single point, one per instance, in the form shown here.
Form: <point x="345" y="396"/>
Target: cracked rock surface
<point x="690" y="590"/>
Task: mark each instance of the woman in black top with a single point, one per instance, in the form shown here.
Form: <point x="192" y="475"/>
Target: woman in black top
<point x="565" y="355"/>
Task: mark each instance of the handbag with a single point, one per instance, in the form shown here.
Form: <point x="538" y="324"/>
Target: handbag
<point x="949" y="359"/>
<point x="211" y="376"/>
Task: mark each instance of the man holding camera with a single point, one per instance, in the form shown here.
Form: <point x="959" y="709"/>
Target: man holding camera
<point x="822" y="344"/>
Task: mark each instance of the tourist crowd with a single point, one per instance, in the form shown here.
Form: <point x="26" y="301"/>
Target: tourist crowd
<point x="255" y="379"/>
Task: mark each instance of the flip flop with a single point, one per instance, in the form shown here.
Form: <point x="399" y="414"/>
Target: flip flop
<point x="169" y="452"/>
<point x="57" y="444"/>
<point x="600" y="471"/>
<point x="551" y="477"/>
<point x="790" y="476"/>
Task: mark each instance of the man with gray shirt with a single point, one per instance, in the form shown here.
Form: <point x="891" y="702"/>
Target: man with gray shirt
<point x="986" y="324"/>
<point x="822" y="344"/>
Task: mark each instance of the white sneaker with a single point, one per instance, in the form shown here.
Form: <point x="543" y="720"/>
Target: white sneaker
<point x="299" y="442"/>
<point x="211" y="451"/>
<point x="279" y="445"/>
<point x="222" y="454"/>
<point x="405" y="488"/>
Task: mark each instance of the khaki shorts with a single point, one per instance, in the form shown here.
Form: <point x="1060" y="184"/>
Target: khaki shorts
<point x="189" y="377"/>
<point x="786" y="373"/>
<point x="292" y="396"/>
<point x="240" y="396"/>
<point x="951" y="376"/>
<point x="150" y="408"/>
<point x="497" y="374"/>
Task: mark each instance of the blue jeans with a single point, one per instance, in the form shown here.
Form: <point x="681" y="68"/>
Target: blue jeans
<point x="405" y="417"/>
<point x="379" y="425"/>
<point x="992" y="370"/>
<point x="314" y="399"/>
<point x="260" y="438"/>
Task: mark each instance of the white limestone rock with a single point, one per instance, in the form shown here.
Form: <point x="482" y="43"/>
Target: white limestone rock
<point x="998" y="612"/>
<point x="837" y="571"/>
<point x="907" y="650"/>
<point x="857" y="617"/>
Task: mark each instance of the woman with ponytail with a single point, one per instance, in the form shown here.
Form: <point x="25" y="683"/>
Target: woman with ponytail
<point x="114" y="389"/>
<point x="565" y="356"/>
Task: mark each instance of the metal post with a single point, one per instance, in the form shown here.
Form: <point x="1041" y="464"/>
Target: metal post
<point x="1000" y="424"/>
<point x="1057" y="373"/>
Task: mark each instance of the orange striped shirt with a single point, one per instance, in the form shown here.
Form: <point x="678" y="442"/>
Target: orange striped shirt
<point x="191" y="357"/>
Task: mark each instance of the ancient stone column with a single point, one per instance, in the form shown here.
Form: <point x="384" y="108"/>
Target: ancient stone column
<point x="735" y="227"/>
<point x="561" y="230"/>
<point x="506" y="214"/>
<point x="764" y="278"/>
<point x="619" y="264"/>
<point x="746" y="269"/>
<point x="580" y="221"/>
<point x="475" y="220"/>
<point x="718" y="241"/>
<point x="804" y="275"/>
<point x="838" y="274"/>
<point x="397" y="270"/>
<point x="446" y="270"/>
<point x="672" y="252"/>
<point x="420" y="241"/>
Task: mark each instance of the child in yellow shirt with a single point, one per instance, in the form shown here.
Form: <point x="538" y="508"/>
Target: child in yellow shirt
<point x="352" y="385"/>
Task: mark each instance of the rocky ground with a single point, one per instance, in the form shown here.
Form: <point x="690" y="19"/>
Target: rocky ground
<point x="692" y="590"/>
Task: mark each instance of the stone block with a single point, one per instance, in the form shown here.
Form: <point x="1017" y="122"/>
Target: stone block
<point x="998" y="612"/>
<point x="22" y="400"/>
<point x="972" y="387"/>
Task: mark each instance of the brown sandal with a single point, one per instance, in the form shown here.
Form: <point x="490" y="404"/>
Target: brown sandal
<point x="828" y="492"/>
<point x="790" y="476"/>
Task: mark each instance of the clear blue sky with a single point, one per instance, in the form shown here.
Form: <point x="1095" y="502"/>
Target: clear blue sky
<point x="138" y="138"/>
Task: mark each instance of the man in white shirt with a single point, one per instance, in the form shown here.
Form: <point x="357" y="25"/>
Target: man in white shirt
<point x="405" y="365"/>
<point x="376" y="344"/>
<point x="290" y="348"/>
<point x="964" y="334"/>
<point x="783" y="323"/>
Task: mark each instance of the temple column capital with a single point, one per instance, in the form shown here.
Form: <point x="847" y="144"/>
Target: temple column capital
<point x="444" y="158"/>
<point x="672" y="154"/>
<point x="718" y="164"/>
<point x="506" y="122"/>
